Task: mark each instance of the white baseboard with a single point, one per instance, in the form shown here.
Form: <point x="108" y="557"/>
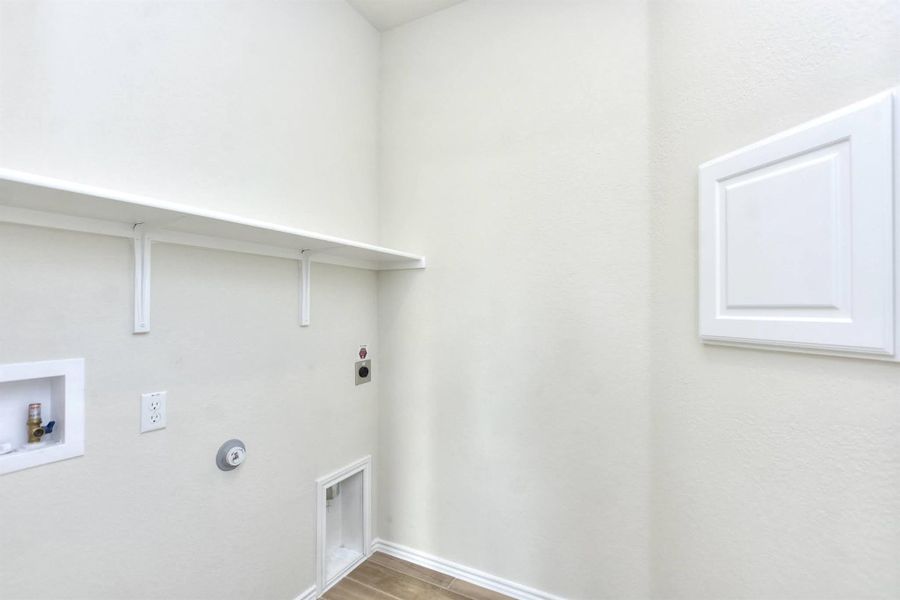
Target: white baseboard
<point x="308" y="594"/>
<point x="485" y="580"/>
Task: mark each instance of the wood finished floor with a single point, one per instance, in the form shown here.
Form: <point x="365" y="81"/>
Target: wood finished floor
<point x="384" y="577"/>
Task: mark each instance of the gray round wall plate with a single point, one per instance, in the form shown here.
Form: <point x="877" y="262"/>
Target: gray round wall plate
<point x="231" y="455"/>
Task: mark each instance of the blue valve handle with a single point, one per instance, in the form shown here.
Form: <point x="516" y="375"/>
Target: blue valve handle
<point x="48" y="428"/>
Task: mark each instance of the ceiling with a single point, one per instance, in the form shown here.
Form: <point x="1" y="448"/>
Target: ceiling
<point x="386" y="14"/>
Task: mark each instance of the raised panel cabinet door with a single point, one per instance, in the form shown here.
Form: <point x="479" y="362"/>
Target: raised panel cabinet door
<point x="797" y="236"/>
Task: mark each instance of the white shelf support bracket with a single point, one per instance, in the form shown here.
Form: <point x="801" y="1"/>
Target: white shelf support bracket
<point x="141" y="279"/>
<point x="304" y="287"/>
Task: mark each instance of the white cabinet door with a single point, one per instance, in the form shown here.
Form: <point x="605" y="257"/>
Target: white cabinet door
<point x="797" y="237"/>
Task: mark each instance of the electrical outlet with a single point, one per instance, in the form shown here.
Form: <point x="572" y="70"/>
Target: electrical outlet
<point x="153" y="411"/>
<point x="363" y="371"/>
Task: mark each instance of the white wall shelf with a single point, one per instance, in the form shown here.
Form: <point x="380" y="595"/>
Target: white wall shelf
<point x="28" y="199"/>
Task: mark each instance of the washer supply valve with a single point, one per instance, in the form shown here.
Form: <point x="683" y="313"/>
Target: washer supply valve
<point x="36" y="429"/>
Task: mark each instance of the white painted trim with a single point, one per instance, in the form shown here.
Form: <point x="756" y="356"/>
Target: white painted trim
<point x="474" y="576"/>
<point x="142" y="254"/>
<point x="309" y="593"/>
<point x="364" y="466"/>
<point x="304" y="288"/>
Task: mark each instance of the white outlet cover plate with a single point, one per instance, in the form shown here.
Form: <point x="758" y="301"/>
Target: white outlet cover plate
<point x="153" y="411"/>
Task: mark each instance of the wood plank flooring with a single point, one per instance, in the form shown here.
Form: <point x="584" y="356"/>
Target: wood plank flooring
<point x="384" y="577"/>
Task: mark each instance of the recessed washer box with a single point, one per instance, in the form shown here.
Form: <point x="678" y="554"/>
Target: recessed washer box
<point x="344" y="530"/>
<point x="797" y="237"/>
<point x="58" y="386"/>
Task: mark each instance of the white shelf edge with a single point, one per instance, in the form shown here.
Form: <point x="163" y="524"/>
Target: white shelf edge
<point x="100" y="211"/>
<point x="62" y="220"/>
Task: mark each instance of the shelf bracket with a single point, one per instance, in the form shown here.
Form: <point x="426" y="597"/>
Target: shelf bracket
<point x="304" y="287"/>
<point x="141" y="279"/>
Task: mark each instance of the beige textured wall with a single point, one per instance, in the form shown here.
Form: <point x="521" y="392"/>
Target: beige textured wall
<point x="151" y="516"/>
<point x="259" y="108"/>
<point x="514" y="397"/>
<point x="547" y="413"/>
<point x="262" y="108"/>
<point x="547" y="394"/>
<point x="775" y="475"/>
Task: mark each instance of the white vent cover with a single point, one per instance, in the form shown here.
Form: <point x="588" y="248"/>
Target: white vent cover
<point x="797" y="237"/>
